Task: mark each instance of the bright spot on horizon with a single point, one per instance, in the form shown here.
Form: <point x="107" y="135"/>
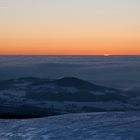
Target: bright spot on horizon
<point x="106" y="54"/>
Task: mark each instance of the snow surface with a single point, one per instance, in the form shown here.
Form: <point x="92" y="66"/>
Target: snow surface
<point x="84" y="126"/>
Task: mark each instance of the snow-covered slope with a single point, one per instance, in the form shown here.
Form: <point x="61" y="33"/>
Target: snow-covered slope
<point x="90" y="126"/>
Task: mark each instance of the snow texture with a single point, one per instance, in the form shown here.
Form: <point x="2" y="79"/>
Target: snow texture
<point x="84" y="126"/>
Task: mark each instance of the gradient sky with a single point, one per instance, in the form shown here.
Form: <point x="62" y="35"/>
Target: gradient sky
<point x="69" y="27"/>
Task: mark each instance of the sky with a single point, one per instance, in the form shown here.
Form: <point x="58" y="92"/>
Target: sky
<point x="70" y="27"/>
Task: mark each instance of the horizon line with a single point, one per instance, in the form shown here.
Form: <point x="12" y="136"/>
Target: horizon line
<point x="70" y="55"/>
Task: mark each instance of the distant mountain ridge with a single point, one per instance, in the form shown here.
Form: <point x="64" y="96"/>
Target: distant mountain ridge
<point x="65" y="95"/>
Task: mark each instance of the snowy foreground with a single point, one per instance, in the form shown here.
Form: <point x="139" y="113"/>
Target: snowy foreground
<point x="88" y="126"/>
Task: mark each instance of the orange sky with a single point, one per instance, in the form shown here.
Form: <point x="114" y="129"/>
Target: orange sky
<point x="70" y="46"/>
<point x="70" y="27"/>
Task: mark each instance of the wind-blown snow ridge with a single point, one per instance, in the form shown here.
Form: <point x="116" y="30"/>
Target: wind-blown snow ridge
<point x="86" y="126"/>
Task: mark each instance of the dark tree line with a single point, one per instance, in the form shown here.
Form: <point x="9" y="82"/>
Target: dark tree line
<point x="27" y="115"/>
<point x="12" y="115"/>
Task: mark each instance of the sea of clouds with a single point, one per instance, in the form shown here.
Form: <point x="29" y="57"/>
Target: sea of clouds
<point x="113" y="71"/>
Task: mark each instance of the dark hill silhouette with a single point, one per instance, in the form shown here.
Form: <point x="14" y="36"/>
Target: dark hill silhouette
<point x="75" y="82"/>
<point x="81" y="84"/>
